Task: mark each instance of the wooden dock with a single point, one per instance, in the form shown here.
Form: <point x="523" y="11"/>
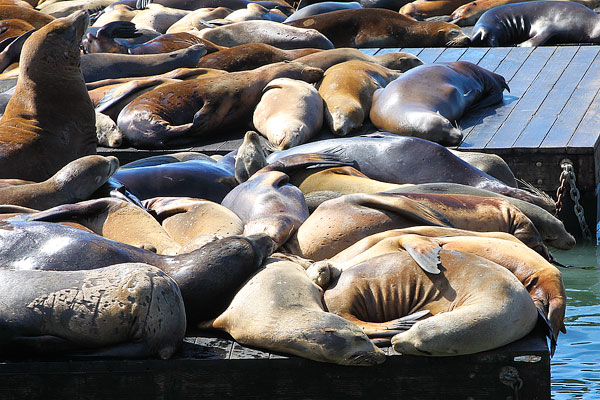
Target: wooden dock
<point x="552" y="113"/>
<point x="212" y="367"/>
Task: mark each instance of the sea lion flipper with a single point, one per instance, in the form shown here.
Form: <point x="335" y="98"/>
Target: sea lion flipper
<point x="389" y="328"/>
<point x="404" y="206"/>
<point x="542" y="320"/>
<point x="424" y="251"/>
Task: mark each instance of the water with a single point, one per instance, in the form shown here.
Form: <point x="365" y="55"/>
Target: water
<point x="575" y="367"/>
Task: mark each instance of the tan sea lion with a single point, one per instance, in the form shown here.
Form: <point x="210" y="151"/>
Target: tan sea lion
<point x="476" y="304"/>
<point x="270" y="32"/>
<point x="254" y="11"/>
<point x="27" y="14"/>
<point x="197" y="19"/>
<point x="34" y="122"/>
<point x="423" y="9"/>
<point x="175" y="114"/>
<point x="374" y="27"/>
<point x="192" y="222"/>
<point x="280" y="309"/>
<point x="338" y="223"/>
<point x="107" y="131"/>
<point x="76" y="181"/>
<point x="250" y="56"/>
<point x="347" y="90"/>
<point x="250" y="157"/>
<point x="13" y="27"/>
<point x="326" y="59"/>
<point x="118" y="12"/>
<point x="290" y="112"/>
<point x="129" y="310"/>
<point x="158" y="18"/>
<point x="114" y="219"/>
<point x="409" y="107"/>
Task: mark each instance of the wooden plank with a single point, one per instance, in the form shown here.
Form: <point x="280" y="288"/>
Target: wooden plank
<point x="586" y="135"/>
<point x="239" y="352"/>
<point x="561" y="132"/>
<point x="388" y="50"/>
<point x="519" y="68"/>
<point x="537" y="130"/>
<point x="529" y="103"/>
<point x="474" y="54"/>
<point x="211" y="348"/>
<point x="412" y="50"/>
<point x="430" y="54"/>
<point x="451" y="54"/>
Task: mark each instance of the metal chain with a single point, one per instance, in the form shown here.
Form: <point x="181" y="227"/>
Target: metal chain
<point x="560" y="192"/>
<point x="568" y="174"/>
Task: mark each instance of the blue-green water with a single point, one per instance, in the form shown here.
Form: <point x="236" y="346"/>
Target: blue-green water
<point x="575" y="367"/>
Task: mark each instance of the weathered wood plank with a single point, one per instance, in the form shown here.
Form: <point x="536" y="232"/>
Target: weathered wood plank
<point x="430" y="54"/>
<point x="388" y="50"/>
<point x="474" y="54"/>
<point x="239" y="352"/>
<point x="210" y="348"/>
<point x="519" y="69"/>
<point x="561" y="132"/>
<point x="551" y="109"/>
<point x="451" y="54"/>
<point x="412" y="50"/>
<point x="529" y="103"/>
<point x="586" y="135"/>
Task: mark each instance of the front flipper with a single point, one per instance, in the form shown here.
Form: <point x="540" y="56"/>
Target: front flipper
<point x="424" y="251"/>
<point x="537" y="40"/>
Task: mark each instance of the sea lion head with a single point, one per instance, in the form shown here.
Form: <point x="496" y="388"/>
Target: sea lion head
<point x="84" y="175"/>
<point x="55" y="46"/>
<point x="451" y="35"/>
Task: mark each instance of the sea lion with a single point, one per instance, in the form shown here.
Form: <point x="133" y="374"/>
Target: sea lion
<point x="326" y="59"/>
<point x="197" y="19"/>
<point x="373" y="27"/>
<point x="208" y="277"/>
<point x="347" y="90"/>
<point x="321" y="8"/>
<point x="158" y="18"/>
<point x="37" y="137"/>
<point x="374" y="154"/>
<point x="423" y="9"/>
<point x="407" y="107"/>
<point x="194" y="222"/>
<point x="254" y="11"/>
<point x="250" y="157"/>
<point x="260" y="31"/>
<point x="280" y="309"/>
<point x="250" y="56"/>
<point x="33" y="17"/>
<point x="76" y="181"/>
<point x="476" y="304"/>
<point x="174" y="114"/>
<point x="268" y="203"/>
<point x="114" y="219"/>
<point x="290" y="112"/>
<point x="127" y="310"/>
<point x="338" y="223"/>
<point x="13" y="27"/>
<point x="536" y="22"/>
<point x="118" y="12"/>
<point x="387" y="4"/>
<point x="107" y="131"/>
<point x="168" y="159"/>
<point x="192" y="178"/>
<point x="491" y="164"/>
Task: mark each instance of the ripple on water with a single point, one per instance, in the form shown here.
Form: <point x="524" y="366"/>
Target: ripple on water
<point x="575" y="366"/>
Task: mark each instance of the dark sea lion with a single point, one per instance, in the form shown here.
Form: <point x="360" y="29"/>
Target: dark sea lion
<point x="208" y="277"/>
<point x="232" y="4"/>
<point x="168" y="159"/>
<point x="375" y="154"/>
<point x="372" y="27"/>
<point x="127" y="310"/>
<point x="423" y="9"/>
<point x="408" y="106"/>
<point x="387" y="4"/>
<point x="321" y="8"/>
<point x="114" y="219"/>
<point x="536" y="22"/>
<point x="175" y="114"/>
<point x="280" y="309"/>
<point x="27" y="14"/>
<point x="35" y="122"/>
<point x="107" y="65"/>
<point x="347" y="90"/>
<point x="250" y="56"/>
<point x="274" y="33"/>
<point x="194" y="222"/>
<point x="76" y="181"/>
<point x="193" y="178"/>
<point x="290" y="112"/>
<point x="476" y="304"/>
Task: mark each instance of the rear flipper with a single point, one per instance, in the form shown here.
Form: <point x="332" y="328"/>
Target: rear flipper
<point x="389" y="328"/>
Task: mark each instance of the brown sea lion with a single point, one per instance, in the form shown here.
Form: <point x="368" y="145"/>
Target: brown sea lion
<point x="338" y="223"/>
<point x="76" y="181"/>
<point x="13" y="27"/>
<point x="423" y="9"/>
<point x="250" y="56"/>
<point x="27" y="14"/>
<point x="174" y="114"/>
<point x="250" y="157"/>
<point x="158" y="18"/>
<point x="129" y="310"/>
<point x="280" y="309"/>
<point x="290" y="112"/>
<point x="270" y="32"/>
<point x="60" y="9"/>
<point x="347" y="90"/>
<point x="208" y="277"/>
<point x="192" y="222"/>
<point x="114" y="219"/>
<point x="118" y="12"/>
<point x="254" y="11"/>
<point x="37" y="137"/>
<point x="491" y="164"/>
<point x="476" y="304"/>
<point x="373" y="27"/>
<point x="409" y="107"/>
